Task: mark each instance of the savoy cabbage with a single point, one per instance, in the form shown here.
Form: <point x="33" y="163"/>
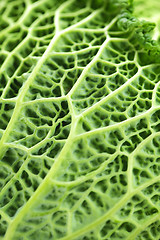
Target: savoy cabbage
<point x="79" y="120"/>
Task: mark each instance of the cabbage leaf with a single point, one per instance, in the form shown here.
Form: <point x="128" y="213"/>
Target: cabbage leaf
<point x="79" y="120"/>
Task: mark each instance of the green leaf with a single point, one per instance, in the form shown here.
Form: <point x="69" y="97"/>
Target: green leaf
<point x="79" y="121"/>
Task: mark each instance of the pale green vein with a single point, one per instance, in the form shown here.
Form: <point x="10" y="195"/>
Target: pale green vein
<point x="155" y="90"/>
<point x="131" y="159"/>
<point x="20" y="21"/>
<point x="57" y="15"/>
<point x="143" y="196"/>
<point x="144" y="226"/>
<point x="83" y="21"/>
<point x="76" y="13"/>
<point x="111" y="95"/>
<point x="117" y="125"/>
<point x="85" y="50"/>
<point x="5" y="216"/>
<point x="82" y="198"/>
<point x="44" y="100"/>
<point x="23" y="93"/>
<point x="8" y="59"/>
<point x="82" y="76"/>
<point x="111" y="212"/>
<point x="11" y="181"/>
<point x="90" y="175"/>
<point x="97" y="222"/>
<point x="40" y="189"/>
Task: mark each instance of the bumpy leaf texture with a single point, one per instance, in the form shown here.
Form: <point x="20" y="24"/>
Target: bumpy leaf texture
<point x="79" y="121"/>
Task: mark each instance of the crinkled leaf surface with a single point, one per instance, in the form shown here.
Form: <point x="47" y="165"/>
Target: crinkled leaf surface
<point x="79" y="122"/>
